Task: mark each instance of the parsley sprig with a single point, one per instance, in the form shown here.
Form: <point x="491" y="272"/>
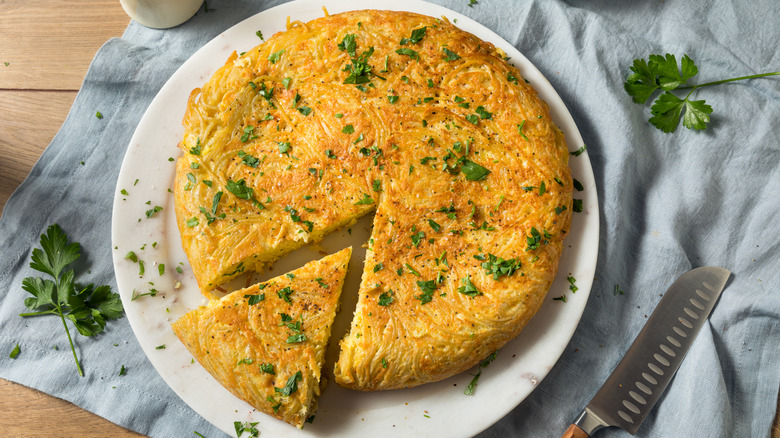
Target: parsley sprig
<point x="662" y="73"/>
<point x="87" y="307"/>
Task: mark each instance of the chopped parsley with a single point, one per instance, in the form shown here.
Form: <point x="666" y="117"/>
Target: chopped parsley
<point x="349" y="129"/>
<point x="359" y="70"/>
<point x="468" y="288"/>
<point x="267" y="368"/>
<point x="274" y="57"/>
<point x="483" y="113"/>
<point x="497" y="266"/>
<point x="536" y="239"/>
<point x="15" y="352"/>
<point x="416" y="37"/>
<point x="428" y="288"/>
<point x="386" y="298"/>
<point x="249" y="160"/>
<point x="520" y="130"/>
<point x="248" y="134"/>
<point x="482" y="364"/>
<point x="254" y="299"/>
<point x="291" y="386"/>
<point x="284" y="147"/>
<point x="572" y="287"/>
<point x="196" y="150"/>
<point x="579" y="151"/>
<point x="240" y="189"/>
<point x="408" y="52"/>
<point x="473" y="171"/>
<point x="285" y="294"/>
<point x="451" y="56"/>
<point x="367" y="200"/>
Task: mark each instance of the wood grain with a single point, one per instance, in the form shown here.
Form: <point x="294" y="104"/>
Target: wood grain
<point x="29" y="122"/>
<point x="48" y="45"/>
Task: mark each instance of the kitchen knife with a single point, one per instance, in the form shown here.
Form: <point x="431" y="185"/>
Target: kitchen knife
<point x="640" y="378"/>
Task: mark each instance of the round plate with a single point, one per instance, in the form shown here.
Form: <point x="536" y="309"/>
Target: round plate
<point x="440" y="408"/>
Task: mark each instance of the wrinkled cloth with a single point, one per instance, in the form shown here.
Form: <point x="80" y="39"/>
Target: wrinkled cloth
<point x="668" y="203"/>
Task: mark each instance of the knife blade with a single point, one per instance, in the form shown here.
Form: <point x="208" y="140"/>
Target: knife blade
<point x="648" y="366"/>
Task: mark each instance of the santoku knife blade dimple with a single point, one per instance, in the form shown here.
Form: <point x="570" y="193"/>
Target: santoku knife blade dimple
<point x="640" y="378"/>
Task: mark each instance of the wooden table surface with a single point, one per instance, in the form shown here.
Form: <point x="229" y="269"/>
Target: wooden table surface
<point x="45" y="49"/>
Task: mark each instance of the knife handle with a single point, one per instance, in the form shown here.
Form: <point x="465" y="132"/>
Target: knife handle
<point x="574" y="431"/>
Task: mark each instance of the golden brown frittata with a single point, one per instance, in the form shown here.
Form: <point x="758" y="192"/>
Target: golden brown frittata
<point x="401" y="114"/>
<point x="266" y="343"/>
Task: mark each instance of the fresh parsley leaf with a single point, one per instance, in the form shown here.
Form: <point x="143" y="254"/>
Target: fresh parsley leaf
<point x="15" y="352"/>
<point x="360" y="70"/>
<point x="246" y="427"/>
<point x="284" y="147"/>
<point x="239" y="189"/>
<point x="296" y="338"/>
<point x="366" y="200"/>
<point x="416" y="37"/>
<point x="468" y="288"/>
<point x="196" y="150"/>
<point x="305" y="110"/>
<point x="534" y="240"/>
<point x="87" y="307"/>
<point x="668" y="108"/>
<point x="483" y="113"/>
<point x="451" y="56"/>
<point x="482" y="364"/>
<point x="291" y="386"/>
<point x="662" y="73"/>
<point x="348" y="44"/>
<point x="572" y="287"/>
<point x="274" y="57"/>
<point x="408" y="52"/>
<point x="348" y="129"/>
<point x="254" y="299"/>
<point x="249" y="160"/>
<point x="428" y="288"/>
<point x="267" y="368"/>
<point x="473" y="171"/>
<point x="498" y="267"/>
<point x="285" y="294"/>
<point x="386" y="298"/>
<point x="151" y="212"/>
<point x="248" y="134"/>
<point x="579" y="151"/>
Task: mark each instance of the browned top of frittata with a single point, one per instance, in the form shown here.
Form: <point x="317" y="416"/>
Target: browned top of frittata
<point x="405" y="115"/>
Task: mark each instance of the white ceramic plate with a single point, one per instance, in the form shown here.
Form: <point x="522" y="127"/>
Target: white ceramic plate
<point x="436" y="409"/>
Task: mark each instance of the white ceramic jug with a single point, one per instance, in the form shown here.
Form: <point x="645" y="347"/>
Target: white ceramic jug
<point x="161" y="14"/>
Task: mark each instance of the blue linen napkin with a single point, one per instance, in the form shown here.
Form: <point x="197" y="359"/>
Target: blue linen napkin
<point x="668" y="203"/>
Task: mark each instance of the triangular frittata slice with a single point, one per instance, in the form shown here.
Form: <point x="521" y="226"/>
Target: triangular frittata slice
<point x="266" y="343"/>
